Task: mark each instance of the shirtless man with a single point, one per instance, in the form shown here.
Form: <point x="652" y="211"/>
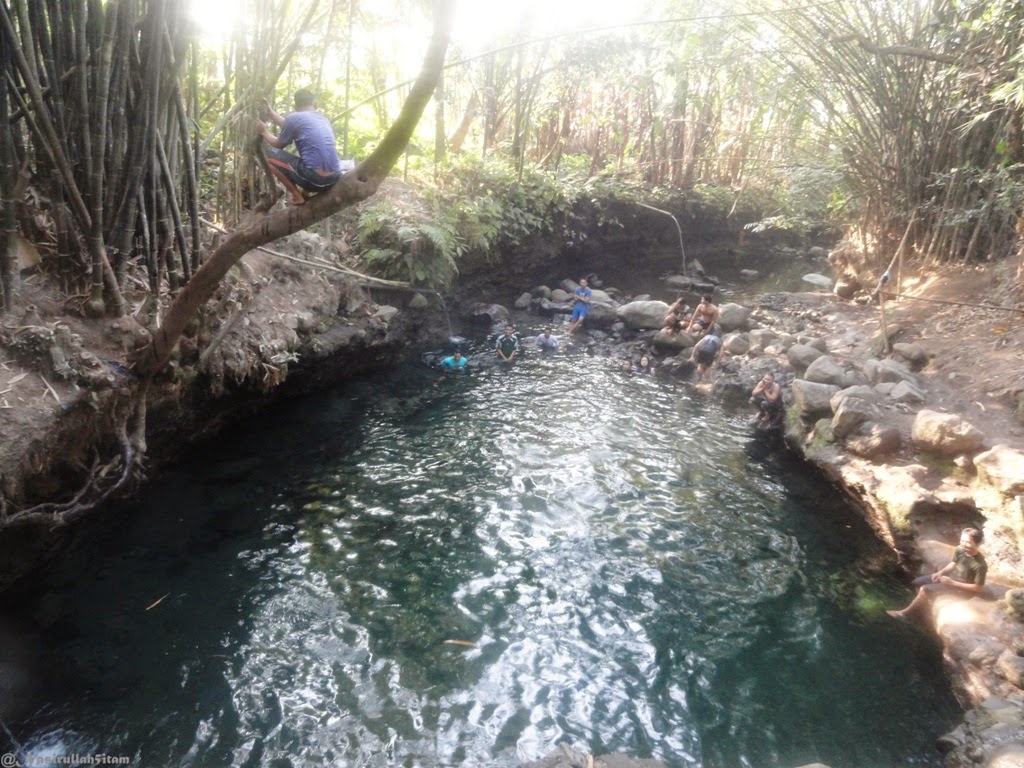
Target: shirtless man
<point x="704" y="316"/>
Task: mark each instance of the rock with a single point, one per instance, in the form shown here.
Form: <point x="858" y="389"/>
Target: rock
<point x="1002" y="468"/>
<point x="601" y="316"/>
<point x="819" y="280"/>
<point x="905" y="392"/>
<point x="1014" y="599"/>
<point x="945" y="433"/>
<point x="846" y="288"/>
<point x="749" y="274"/>
<point x="541" y="292"/>
<point x="735" y="344"/>
<point x="825" y="370"/>
<point x="523" y="302"/>
<point x="1011" y="667"/>
<point x="643" y="314"/>
<point x="387" y="313"/>
<point x="569" y="286"/>
<point x="817" y="252"/>
<point x="813" y="399"/>
<point x="675" y="342"/>
<point x="879" y="371"/>
<point x="851" y="413"/>
<point x="487" y="314"/>
<point x="853" y="378"/>
<point x="800" y="356"/>
<point x="913" y="353"/>
<point x="819" y="344"/>
<point x="873" y="440"/>
<point x="861" y="392"/>
<point x="598" y="296"/>
<point x="762" y="337"/>
<point x="418" y="301"/>
<point x="733" y="317"/>
<point x="550" y="308"/>
<point x="559" y="295"/>
<point x="885" y="388"/>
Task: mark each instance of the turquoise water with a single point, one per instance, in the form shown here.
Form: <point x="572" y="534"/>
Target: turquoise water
<point x="624" y="566"/>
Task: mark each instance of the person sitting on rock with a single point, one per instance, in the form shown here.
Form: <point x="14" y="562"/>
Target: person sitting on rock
<point x="582" y="306"/>
<point x="507" y="346"/>
<point x="767" y="396"/>
<point x="546" y="342"/>
<point x="676" y="317"/>
<point x="454" y="363"/>
<point x="704" y="316"/>
<point x="967" y="571"/>
<point x="705" y="351"/>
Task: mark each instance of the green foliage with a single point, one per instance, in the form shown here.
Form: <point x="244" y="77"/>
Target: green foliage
<point x="405" y="245"/>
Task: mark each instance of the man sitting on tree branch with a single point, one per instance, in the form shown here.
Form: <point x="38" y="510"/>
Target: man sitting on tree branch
<point x="317" y="167"/>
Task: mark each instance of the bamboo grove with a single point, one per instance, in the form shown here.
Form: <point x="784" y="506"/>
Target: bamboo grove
<point x="122" y="127"/>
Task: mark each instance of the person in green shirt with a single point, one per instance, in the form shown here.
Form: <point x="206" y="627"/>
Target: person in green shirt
<point x="963" y="575"/>
<point x="507" y="346"/>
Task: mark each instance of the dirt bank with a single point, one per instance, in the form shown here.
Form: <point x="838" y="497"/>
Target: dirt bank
<point x="276" y="328"/>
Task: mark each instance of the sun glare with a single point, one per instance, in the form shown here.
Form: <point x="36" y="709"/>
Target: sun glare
<point x="481" y="24"/>
<point x="215" y="20"/>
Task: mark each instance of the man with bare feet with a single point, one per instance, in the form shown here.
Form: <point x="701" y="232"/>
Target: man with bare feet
<point x="676" y="316"/>
<point x="582" y="305"/>
<point x="967" y="571"/>
<point x="704" y="317"/>
<point x="317" y="167"/>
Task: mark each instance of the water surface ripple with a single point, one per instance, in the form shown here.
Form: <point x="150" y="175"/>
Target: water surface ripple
<point x="624" y="566"/>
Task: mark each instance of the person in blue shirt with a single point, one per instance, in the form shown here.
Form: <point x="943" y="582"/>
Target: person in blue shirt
<point x="454" y="363"/>
<point x="546" y="342"/>
<point x="507" y="346"/>
<point x="582" y="305"/>
<point x="317" y="167"/>
<point x="705" y="351"/>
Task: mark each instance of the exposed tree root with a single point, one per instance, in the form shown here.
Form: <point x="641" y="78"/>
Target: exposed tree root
<point x="105" y="479"/>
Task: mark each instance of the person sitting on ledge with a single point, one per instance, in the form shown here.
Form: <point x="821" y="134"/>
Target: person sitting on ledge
<point x="967" y="572"/>
<point x="317" y="167"/>
<point x="676" y="318"/>
<point x="767" y="396"/>
<point x="704" y="317"/>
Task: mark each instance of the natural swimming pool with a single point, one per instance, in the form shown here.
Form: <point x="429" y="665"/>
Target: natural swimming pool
<point x="625" y="567"/>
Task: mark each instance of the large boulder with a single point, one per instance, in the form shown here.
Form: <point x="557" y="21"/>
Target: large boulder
<point x="486" y="314"/>
<point x="597" y="295"/>
<point x="569" y="286"/>
<point x="550" y="308"/>
<point x="825" y="370"/>
<point x="851" y="414"/>
<point x="872" y="440"/>
<point x="601" y="316"/>
<point x="762" y="337"/>
<point x="800" y="356"/>
<point x="818" y="280"/>
<point x="861" y="392"/>
<point x="673" y="342"/>
<point x="523" y="302"/>
<point x="559" y="295"/>
<point x="813" y="399"/>
<point x="905" y="392"/>
<point x="913" y="353"/>
<point x="945" y="433"/>
<point x="736" y="344"/>
<point x="734" y="317"/>
<point x="882" y="371"/>
<point x="541" y="292"/>
<point x="639" y="315"/>
<point x="1003" y="468"/>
